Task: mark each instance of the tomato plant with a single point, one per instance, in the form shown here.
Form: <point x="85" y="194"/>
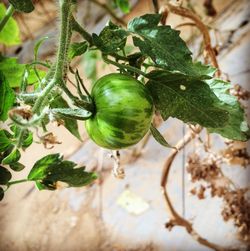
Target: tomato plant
<point x="156" y="78"/>
<point x="119" y="110"/>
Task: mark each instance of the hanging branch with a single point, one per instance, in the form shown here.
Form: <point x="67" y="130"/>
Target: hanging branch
<point x="176" y="219"/>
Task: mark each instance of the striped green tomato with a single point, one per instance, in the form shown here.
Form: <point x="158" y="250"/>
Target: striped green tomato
<point x="123" y="111"/>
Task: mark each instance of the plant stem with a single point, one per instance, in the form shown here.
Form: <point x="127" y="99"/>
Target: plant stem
<point x="85" y="104"/>
<point x="123" y="66"/>
<point x="78" y="28"/>
<point x="24" y="123"/>
<point x="78" y="78"/>
<point x="64" y="40"/>
<point x="17" y="182"/>
<point x="20" y="138"/>
<point x="61" y="59"/>
<point x="40" y="63"/>
<point x="39" y="102"/>
<point x="7" y="16"/>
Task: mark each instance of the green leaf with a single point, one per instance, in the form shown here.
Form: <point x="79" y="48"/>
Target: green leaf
<point x="111" y="39"/>
<point x="77" y="49"/>
<point x="69" y="123"/>
<point x="123" y="5"/>
<point x="237" y="127"/>
<point x="52" y="168"/>
<point x="17" y="166"/>
<point x="158" y="137"/>
<point x="5" y="141"/>
<point x="72" y="113"/>
<point x="165" y="47"/>
<point x="13" y="72"/>
<point x="40" y="167"/>
<point x="23" y="5"/>
<point x="5" y="176"/>
<point x="1" y="193"/>
<point x="13" y="157"/>
<point x="7" y="97"/>
<point x="191" y="101"/>
<point x="10" y="34"/>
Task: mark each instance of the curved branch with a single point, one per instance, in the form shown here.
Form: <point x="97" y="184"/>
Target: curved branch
<point x="176" y="219"/>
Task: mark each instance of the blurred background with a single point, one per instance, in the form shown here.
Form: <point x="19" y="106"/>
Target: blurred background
<point x="130" y="214"/>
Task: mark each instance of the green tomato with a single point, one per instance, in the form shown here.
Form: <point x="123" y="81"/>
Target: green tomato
<point x="123" y="111"/>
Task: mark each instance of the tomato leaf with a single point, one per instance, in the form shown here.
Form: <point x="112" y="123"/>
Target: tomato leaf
<point x="7" y="97"/>
<point x="10" y="34"/>
<point x="237" y="127"/>
<point x="13" y="157"/>
<point x="23" y="5"/>
<point x="73" y="113"/>
<point x="13" y="72"/>
<point x="69" y="123"/>
<point x="111" y="39"/>
<point x="191" y="101"/>
<point x="77" y="49"/>
<point x="5" y="176"/>
<point x="52" y="168"/>
<point x="158" y="137"/>
<point x="4" y="140"/>
<point x="123" y="5"/>
<point x="17" y="166"/>
<point x="165" y="47"/>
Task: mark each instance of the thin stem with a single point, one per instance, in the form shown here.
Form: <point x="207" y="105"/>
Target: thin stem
<point x="7" y="16"/>
<point x="26" y="123"/>
<point x="20" y="138"/>
<point x="78" y="28"/>
<point x="128" y="67"/>
<point x="15" y="182"/>
<point x="119" y="57"/>
<point x="67" y="92"/>
<point x="39" y="102"/>
<point x="39" y="63"/>
<point x="87" y="104"/>
<point x="156" y="6"/>
<point x="28" y="96"/>
<point x="78" y="78"/>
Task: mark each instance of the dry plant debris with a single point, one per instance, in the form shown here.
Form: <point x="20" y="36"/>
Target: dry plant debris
<point x="236" y="205"/>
